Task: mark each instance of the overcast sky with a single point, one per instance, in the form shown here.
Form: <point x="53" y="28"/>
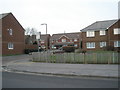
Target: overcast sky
<point x="60" y="15"/>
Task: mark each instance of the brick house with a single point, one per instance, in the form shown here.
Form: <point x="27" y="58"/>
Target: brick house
<point x="12" y="35"/>
<point x="45" y="40"/>
<point x="65" y="39"/>
<point x="101" y="34"/>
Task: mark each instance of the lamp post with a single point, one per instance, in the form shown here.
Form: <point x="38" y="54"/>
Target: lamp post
<point x="38" y="39"/>
<point x="46" y="36"/>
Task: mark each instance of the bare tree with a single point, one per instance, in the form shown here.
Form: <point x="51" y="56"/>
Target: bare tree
<point x="30" y="31"/>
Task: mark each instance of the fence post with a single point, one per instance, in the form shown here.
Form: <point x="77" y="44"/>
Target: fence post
<point x="84" y="58"/>
<point x="74" y="57"/>
<point x="109" y="59"/>
<point x="94" y="57"/>
<point x="113" y="60"/>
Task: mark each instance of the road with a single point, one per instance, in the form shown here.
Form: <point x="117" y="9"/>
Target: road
<point x="8" y="59"/>
<point x="20" y="80"/>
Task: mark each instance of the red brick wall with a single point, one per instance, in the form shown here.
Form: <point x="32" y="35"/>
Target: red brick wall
<point x="10" y="22"/>
<point x="60" y="40"/>
<point x="30" y="46"/>
<point x="97" y="39"/>
<point x="109" y="37"/>
<point x="113" y="37"/>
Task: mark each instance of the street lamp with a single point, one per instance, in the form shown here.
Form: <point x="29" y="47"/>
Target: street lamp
<point x="38" y="37"/>
<point x="46" y="36"/>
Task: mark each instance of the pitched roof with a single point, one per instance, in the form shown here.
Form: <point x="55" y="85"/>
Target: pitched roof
<point x="6" y="14"/>
<point x="100" y="25"/>
<point x="3" y="15"/>
<point x="69" y="35"/>
<point x="44" y="36"/>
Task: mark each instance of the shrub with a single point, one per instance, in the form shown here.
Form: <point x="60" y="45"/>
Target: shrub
<point x="27" y="51"/>
<point x="80" y="51"/>
<point x="69" y="48"/>
<point x="109" y="48"/>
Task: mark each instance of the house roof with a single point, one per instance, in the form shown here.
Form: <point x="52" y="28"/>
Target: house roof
<point x="44" y="36"/>
<point x="3" y="15"/>
<point x="6" y="14"/>
<point x="68" y="35"/>
<point x="100" y="25"/>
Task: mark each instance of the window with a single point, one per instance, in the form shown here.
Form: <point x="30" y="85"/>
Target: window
<point x="10" y="31"/>
<point x="52" y="41"/>
<point x="116" y="43"/>
<point x="75" y="45"/>
<point x="117" y="31"/>
<point x="0" y="33"/>
<point x="42" y="41"/>
<point x="90" y="45"/>
<point x="90" y="33"/>
<point x="71" y="40"/>
<point x="10" y="46"/>
<point x="75" y="39"/>
<point x="102" y="32"/>
<point x="43" y="46"/>
<point x="102" y="44"/>
<point x="63" y="40"/>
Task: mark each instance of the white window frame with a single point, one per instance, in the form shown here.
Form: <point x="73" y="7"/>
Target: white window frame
<point x="75" y="45"/>
<point x="116" y="43"/>
<point x="64" y="40"/>
<point x="0" y="33"/>
<point x="116" y="31"/>
<point x="10" y="31"/>
<point x="10" y="45"/>
<point x="102" y="32"/>
<point x="90" y="33"/>
<point x="71" y="40"/>
<point x="90" y="44"/>
<point x="102" y="44"/>
<point x="75" y="40"/>
<point x="42" y="41"/>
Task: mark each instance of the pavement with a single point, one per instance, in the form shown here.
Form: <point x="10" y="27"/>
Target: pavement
<point x="83" y="70"/>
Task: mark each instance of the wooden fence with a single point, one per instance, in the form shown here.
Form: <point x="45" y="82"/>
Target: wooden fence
<point x="77" y="58"/>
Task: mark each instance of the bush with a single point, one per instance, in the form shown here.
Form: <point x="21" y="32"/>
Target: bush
<point x="109" y="48"/>
<point x="27" y="51"/>
<point x="80" y="51"/>
<point x="69" y="48"/>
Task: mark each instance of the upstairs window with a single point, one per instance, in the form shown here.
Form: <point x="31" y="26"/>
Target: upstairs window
<point x="52" y="41"/>
<point x="90" y="34"/>
<point x="103" y="32"/>
<point x="116" y="30"/>
<point x="10" y="46"/>
<point x="63" y="40"/>
<point x="0" y="33"/>
<point x="42" y="41"/>
<point x="10" y="31"/>
<point x="75" y="39"/>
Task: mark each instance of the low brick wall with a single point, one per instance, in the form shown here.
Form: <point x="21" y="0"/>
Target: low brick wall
<point x="30" y="46"/>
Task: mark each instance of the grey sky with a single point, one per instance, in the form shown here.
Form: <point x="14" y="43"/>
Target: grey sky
<point x="60" y="15"/>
